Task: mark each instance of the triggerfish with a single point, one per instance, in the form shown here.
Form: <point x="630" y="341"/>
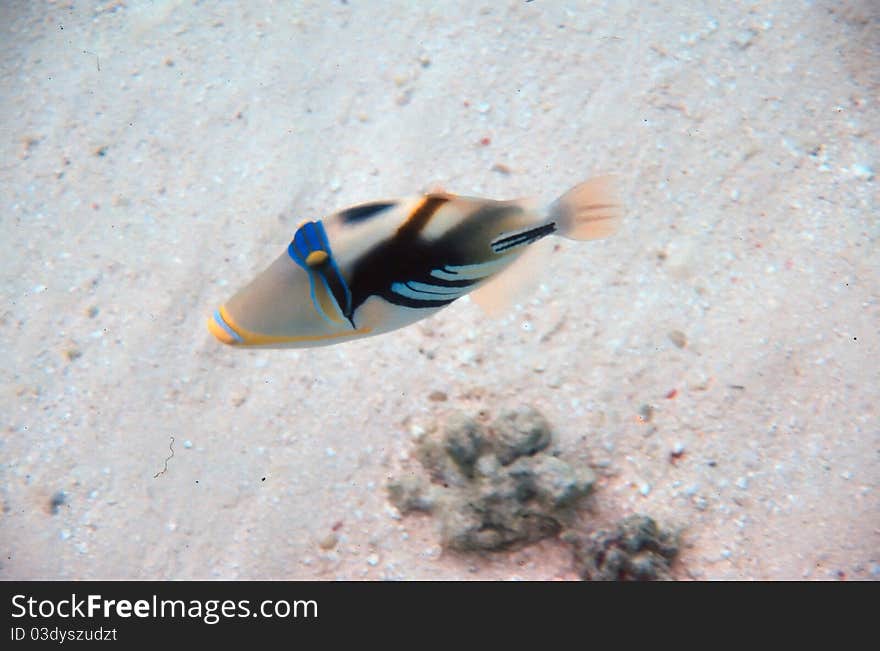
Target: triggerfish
<point x="380" y="266"/>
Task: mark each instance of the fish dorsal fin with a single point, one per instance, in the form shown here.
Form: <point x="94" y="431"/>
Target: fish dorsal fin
<point x="515" y="283"/>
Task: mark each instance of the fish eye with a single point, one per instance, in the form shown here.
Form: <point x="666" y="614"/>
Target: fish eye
<point x="316" y="258"/>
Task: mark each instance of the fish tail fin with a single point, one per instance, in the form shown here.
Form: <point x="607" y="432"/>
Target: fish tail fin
<point x="589" y="211"/>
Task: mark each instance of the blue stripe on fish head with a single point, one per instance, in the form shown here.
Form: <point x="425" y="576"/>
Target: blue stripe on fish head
<point x="309" y="238"/>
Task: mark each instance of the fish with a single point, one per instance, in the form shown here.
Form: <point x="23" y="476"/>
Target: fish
<point x="376" y="267"/>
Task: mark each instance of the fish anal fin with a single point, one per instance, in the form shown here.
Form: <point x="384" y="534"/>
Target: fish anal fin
<point x="513" y="285"/>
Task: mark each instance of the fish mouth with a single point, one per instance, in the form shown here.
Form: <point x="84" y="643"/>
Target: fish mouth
<point x="225" y="330"/>
<point x="220" y="326"/>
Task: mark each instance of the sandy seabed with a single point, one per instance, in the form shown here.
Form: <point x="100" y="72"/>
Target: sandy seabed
<point x="716" y="361"/>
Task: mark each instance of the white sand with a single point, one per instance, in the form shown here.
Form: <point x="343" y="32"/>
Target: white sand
<point x="156" y="155"/>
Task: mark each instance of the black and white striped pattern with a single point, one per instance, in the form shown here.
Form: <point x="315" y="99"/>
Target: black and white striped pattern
<point x="507" y="242"/>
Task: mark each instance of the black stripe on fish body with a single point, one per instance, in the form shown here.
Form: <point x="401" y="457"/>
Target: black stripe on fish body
<point x="405" y="257"/>
<point x="404" y="260"/>
<point x="400" y="263"/>
<point x="365" y="211"/>
<point x="522" y="238"/>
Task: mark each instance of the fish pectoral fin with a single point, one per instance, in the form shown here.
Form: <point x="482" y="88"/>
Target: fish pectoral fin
<point x="513" y="284"/>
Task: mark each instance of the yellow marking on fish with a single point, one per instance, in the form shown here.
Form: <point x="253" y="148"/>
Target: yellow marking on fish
<point x="257" y="339"/>
<point x="316" y="258"/>
<point x="219" y="332"/>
